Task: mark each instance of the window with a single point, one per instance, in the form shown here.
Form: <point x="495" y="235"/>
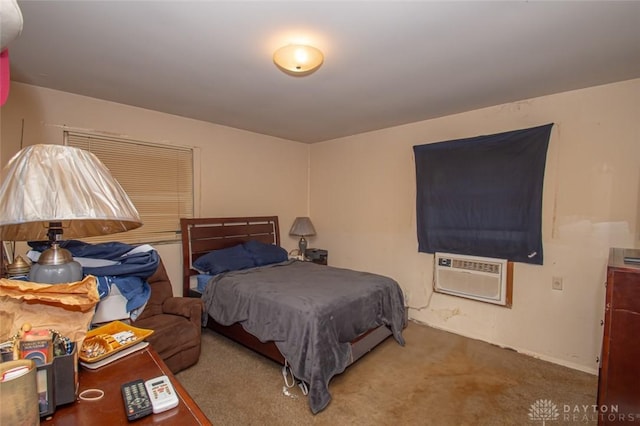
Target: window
<point x="482" y="196"/>
<point x="157" y="178"/>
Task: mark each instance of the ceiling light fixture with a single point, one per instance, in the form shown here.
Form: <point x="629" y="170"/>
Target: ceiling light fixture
<point x="298" y="59"/>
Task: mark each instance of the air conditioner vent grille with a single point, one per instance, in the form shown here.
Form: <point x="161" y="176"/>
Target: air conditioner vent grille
<point x="491" y="268"/>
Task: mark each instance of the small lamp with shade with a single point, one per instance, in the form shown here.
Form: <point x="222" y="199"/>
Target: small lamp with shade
<point x="302" y="227"/>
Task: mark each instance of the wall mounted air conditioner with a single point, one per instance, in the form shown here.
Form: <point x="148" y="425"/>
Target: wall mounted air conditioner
<point x="478" y="278"/>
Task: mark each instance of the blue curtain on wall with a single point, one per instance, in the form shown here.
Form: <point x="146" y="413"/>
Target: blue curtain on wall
<point x="482" y="196"/>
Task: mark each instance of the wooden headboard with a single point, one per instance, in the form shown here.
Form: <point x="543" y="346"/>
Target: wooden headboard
<point x="201" y="235"/>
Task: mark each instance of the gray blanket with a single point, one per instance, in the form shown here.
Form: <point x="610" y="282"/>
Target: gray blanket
<point x="310" y="311"/>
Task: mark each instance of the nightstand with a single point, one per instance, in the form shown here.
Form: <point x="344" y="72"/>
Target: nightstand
<point x="143" y="364"/>
<point x="316" y="255"/>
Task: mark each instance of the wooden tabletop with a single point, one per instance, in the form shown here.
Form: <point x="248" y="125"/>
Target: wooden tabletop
<point x="109" y="410"/>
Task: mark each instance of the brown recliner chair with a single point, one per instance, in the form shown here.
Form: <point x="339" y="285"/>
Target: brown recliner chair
<point x="175" y="321"/>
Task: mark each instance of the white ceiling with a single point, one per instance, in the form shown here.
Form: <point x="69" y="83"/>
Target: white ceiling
<point x="386" y="63"/>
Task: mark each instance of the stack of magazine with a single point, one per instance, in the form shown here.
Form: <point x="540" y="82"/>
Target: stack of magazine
<point x="632" y="256"/>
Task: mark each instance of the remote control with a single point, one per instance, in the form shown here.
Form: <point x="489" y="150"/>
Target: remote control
<point x="136" y="400"/>
<point x="163" y="396"/>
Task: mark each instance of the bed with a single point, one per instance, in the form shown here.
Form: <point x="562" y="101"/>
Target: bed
<point x="316" y="319"/>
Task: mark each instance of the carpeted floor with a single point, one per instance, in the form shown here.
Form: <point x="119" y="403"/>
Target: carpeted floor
<point x="438" y="378"/>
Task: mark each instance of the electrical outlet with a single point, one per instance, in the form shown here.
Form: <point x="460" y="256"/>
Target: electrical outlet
<point x="556" y="283"/>
<point x="407" y="296"/>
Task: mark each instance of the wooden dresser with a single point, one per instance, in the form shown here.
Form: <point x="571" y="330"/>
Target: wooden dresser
<point x="619" y="378"/>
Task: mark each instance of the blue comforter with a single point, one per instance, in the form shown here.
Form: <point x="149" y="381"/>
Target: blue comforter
<point x="310" y="311"/>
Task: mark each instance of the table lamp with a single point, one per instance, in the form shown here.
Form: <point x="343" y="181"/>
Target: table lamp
<point x="51" y="190"/>
<point x="302" y="227"/>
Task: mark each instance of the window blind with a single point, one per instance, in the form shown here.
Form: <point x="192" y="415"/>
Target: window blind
<point x="158" y="179"/>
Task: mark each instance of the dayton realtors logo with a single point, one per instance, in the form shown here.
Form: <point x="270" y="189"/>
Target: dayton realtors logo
<point x="543" y="409"/>
<point x="546" y="410"/>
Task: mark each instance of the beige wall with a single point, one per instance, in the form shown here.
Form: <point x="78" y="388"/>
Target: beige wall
<point x="363" y="208"/>
<point x="240" y="173"/>
<point x="362" y="199"/>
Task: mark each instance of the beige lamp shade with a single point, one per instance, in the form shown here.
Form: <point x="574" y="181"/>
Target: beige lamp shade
<point x="298" y="59"/>
<point x="56" y="183"/>
<point x="302" y="227"/>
